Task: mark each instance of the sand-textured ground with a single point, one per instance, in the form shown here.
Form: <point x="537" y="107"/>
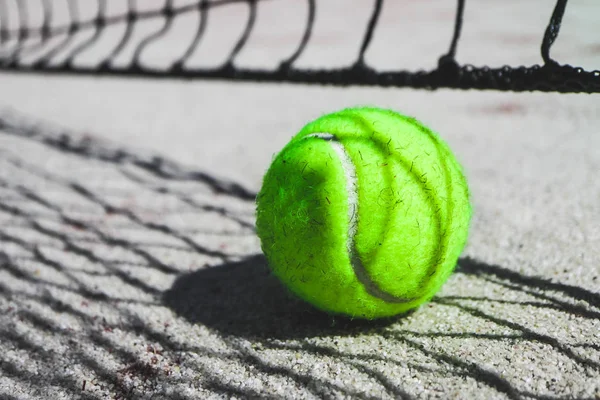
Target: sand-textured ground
<point x="129" y="265"/>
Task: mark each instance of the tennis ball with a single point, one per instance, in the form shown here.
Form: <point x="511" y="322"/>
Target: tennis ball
<point x="364" y="213"/>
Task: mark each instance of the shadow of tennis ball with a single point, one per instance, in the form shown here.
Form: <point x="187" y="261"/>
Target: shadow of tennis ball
<point x="245" y="299"/>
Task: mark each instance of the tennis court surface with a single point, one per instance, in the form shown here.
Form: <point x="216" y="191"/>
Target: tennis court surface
<point x="129" y="262"/>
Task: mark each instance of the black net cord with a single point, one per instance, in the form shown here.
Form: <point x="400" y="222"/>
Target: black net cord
<point x="449" y="57"/>
<point x="552" y="31"/>
<point x="16" y="43"/>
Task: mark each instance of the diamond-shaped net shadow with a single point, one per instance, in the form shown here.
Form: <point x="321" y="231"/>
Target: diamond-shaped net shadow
<point x="128" y="275"/>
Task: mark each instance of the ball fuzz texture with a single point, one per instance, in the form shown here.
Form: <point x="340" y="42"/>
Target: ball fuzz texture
<point x="364" y="213"/>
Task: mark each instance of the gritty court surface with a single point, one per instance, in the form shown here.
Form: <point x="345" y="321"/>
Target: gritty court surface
<point x="129" y="265"/>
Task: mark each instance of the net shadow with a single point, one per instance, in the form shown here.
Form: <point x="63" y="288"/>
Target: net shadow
<point x="106" y="295"/>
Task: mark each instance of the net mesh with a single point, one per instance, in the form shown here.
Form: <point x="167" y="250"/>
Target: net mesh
<point x="52" y="46"/>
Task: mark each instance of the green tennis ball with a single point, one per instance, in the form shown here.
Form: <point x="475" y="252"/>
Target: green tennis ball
<point x="364" y="213"/>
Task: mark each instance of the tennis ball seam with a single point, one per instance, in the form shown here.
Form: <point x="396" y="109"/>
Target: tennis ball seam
<point x="351" y="181"/>
<point x="441" y="226"/>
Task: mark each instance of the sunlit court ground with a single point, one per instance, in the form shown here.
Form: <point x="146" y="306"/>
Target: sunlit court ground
<point x="129" y="261"/>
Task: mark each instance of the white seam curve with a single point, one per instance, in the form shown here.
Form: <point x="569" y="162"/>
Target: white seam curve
<point x="352" y="195"/>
